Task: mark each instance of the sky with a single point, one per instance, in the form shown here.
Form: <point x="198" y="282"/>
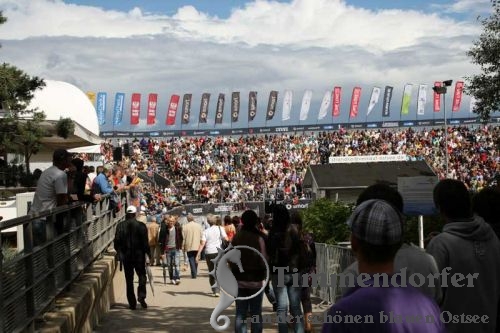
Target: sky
<point x="205" y="46"/>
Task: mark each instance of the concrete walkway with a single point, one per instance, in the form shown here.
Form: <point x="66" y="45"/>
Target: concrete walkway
<point x="174" y="308"/>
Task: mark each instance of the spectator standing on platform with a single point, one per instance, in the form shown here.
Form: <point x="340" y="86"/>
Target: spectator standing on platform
<point x="51" y="192"/>
<point x="102" y="181"/>
<point x="469" y="246"/>
<point x="131" y="243"/>
<point x="192" y="234"/>
<point x="376" y="235"/>
<point x="52" y="187"/>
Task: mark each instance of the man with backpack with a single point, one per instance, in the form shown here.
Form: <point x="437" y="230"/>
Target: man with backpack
<point x="131" y="243"/>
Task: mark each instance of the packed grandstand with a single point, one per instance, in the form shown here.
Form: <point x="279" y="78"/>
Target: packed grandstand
<point x="246" y="168"/>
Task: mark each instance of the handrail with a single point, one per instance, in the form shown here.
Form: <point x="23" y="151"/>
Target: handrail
<point x="76" y="234"/>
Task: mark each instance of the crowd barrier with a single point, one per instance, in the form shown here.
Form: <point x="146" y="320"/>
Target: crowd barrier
<point x="331" y="259"/>
<point x="76" y="235"/>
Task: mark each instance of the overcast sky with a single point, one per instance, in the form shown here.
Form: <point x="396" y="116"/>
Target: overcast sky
<point x="177" y="47"/>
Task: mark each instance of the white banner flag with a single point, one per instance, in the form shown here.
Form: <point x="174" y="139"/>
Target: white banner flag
<point x="306" y="104"/>
<point x="472" y="105"/>
<point x="422" y="99"/>
<point x="287" y="105"/>
<point x="325" y="104"/>
<point x="373" y="99"/>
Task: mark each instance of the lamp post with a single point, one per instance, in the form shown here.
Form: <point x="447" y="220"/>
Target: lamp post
<point x="441" y="90"/>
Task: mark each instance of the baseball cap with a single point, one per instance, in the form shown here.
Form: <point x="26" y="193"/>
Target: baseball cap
<point x="377" y="222"/>
<point x="131" y="209"/>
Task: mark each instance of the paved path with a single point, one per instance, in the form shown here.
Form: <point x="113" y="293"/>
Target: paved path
<point x="174" y="308"/>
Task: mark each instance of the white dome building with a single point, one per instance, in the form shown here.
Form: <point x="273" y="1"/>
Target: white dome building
<point x="63" y="100"/>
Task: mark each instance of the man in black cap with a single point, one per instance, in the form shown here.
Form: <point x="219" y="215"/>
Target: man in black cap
<point x="131" y="243"/>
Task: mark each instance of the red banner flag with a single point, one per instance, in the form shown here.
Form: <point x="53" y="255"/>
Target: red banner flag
<point x="172" y="109"/>
<point x="437" y="98"/>
<point x="356" y="95"/>
<point x="135" y="109"/>
<point x="152" y="108"/>
<point x="336" y="101"/>
<point x="457" y="96"/>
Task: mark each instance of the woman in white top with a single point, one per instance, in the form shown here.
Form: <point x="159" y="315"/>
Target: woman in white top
<point x="211" y="240"/>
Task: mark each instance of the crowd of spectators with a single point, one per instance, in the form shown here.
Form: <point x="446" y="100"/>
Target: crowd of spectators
<point x="234" y="169"/>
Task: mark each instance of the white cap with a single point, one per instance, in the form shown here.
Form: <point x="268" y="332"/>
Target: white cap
<point x="131" y="209"/>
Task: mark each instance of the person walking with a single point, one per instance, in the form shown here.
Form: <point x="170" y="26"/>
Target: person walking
<point x="210" y="241"/>
<point x="192" y="234"/>
<point x="310" y="268"/>
<point x="153" y="236"/>
<point x="285" y="248"/>
<point x="171" y="245"/>
<point x="252" y="278"/>
<point x="131" y="243"/>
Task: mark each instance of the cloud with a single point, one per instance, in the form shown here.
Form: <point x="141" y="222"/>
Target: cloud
<point x="263" y="46"/>
<point x="472" y="7"/>
<point x="301" y="23"/>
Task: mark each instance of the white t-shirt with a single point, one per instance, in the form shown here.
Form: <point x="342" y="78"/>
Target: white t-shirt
<point x="52" y="181"/>
<point x="213" y="239"/>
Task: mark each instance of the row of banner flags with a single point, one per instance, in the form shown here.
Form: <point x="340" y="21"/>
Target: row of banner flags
<point x="330" y="103"/>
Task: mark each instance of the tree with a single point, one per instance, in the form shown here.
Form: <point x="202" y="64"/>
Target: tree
<point x="65" y="127"/>
<point x="485" y="87"/>
<point x="326" y="220"/>
<point x="20" y="127"/>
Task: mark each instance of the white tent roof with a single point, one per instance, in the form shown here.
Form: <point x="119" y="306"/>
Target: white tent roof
<point x="61" y="99"/>
<point x="95" y="149"/>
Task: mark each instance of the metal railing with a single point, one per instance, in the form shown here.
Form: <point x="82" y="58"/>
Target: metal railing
<point x="75" y="235"/>
<point x="331" y="259"/>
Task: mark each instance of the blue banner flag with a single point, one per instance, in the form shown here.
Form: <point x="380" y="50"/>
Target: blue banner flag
<point x="101" y="108"/>
<point x="118" y="109"/>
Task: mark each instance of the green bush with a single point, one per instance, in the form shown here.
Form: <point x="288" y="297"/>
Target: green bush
<point x="431" y="224"/>
<point x="326" y="220"/>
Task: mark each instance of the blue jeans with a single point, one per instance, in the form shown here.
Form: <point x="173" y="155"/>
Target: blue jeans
<point x="254" y="305"/>
<point x="284" y="296"/>
<point x="173" y="263"/>
<point x="192" y="263"/>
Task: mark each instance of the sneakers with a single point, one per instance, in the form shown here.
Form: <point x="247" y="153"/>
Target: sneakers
<point x="177" y="282"/>
<point x="143" y="304"/>
<point x="216" y="295"/>
<point x="172" y="281"/>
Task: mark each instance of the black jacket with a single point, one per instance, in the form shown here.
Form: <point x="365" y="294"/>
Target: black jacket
<point x="163" y="237"/>
<point x="131" y="240"/>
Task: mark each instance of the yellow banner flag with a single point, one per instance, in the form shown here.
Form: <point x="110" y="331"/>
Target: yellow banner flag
<point x="91" y="96"/>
